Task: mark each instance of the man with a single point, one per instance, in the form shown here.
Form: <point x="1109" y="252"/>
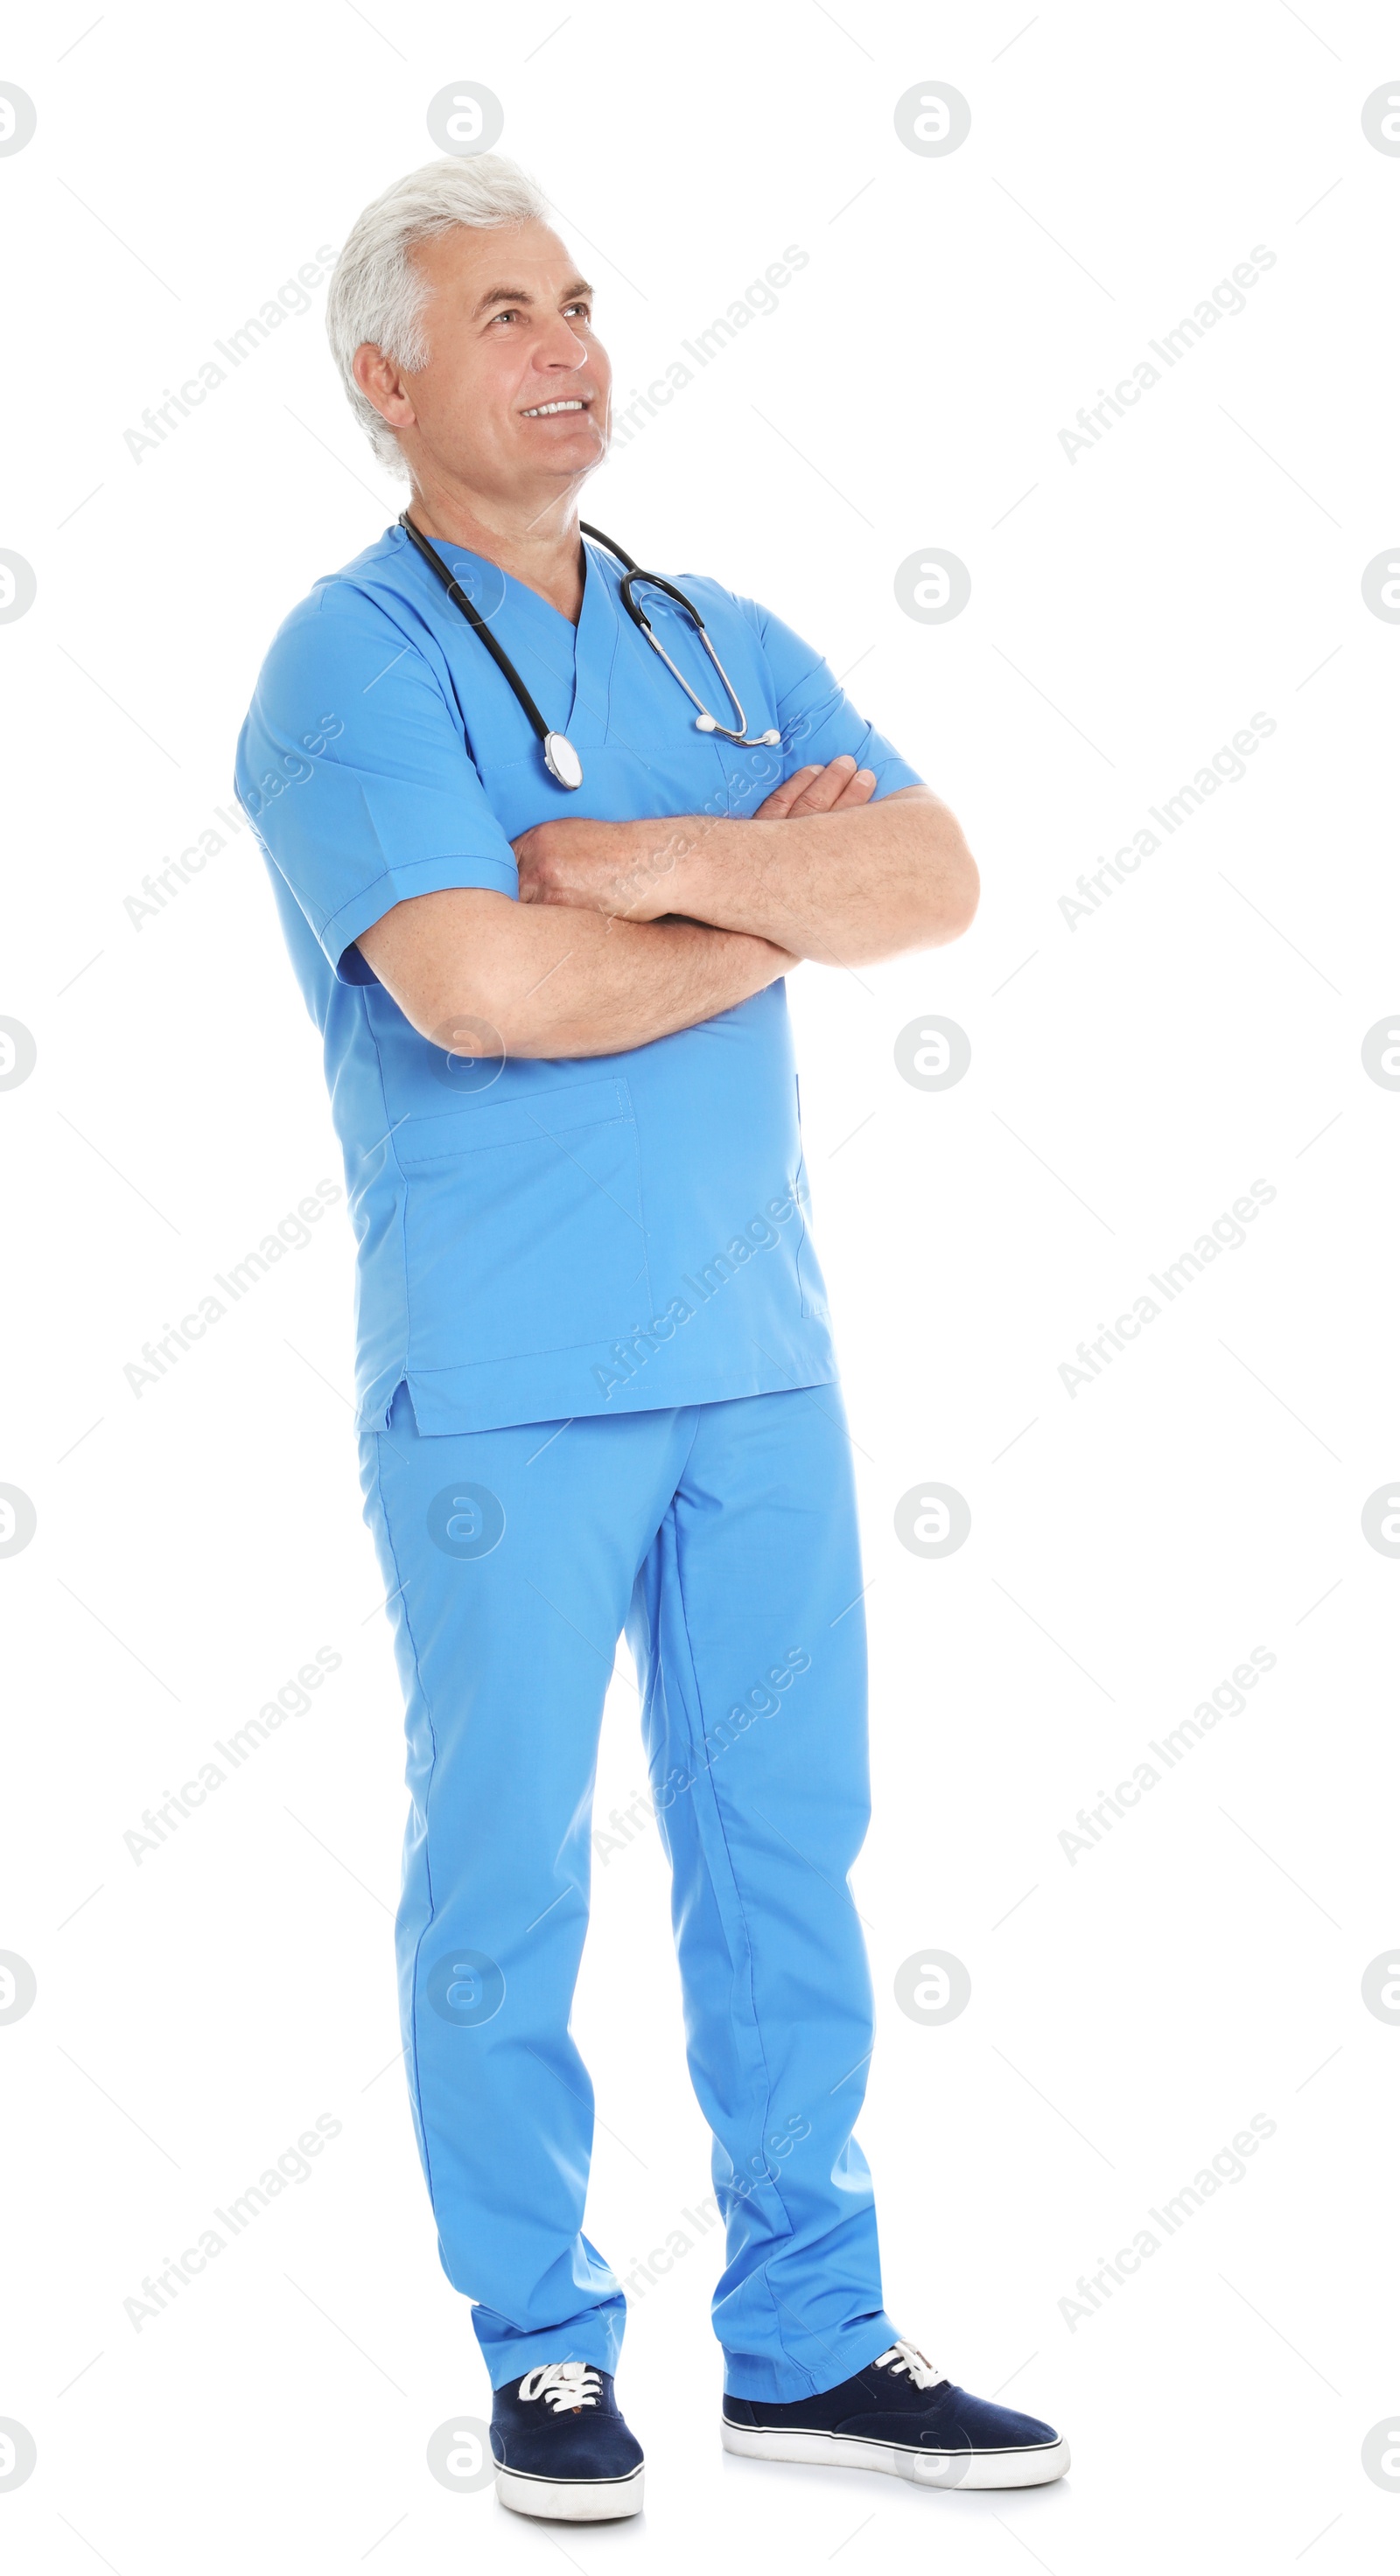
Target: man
<point x="596" y="1382"/>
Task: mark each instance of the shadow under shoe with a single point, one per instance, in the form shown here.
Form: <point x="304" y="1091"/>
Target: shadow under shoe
<point x="902" y="2417"/>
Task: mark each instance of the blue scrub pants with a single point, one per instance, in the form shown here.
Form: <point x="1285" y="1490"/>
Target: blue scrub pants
<point x="723" y="1537"/>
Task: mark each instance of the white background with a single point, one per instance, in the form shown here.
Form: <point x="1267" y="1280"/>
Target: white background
<point x="1130" y="1544"/>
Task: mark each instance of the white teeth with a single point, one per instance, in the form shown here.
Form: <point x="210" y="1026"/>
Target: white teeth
<point x="544" y="411"/>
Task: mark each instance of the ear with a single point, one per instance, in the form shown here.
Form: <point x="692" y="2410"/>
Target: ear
<point x="380" y="382"/>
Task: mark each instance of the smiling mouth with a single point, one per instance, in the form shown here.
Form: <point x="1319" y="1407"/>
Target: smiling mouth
<point x="549" y="410"/>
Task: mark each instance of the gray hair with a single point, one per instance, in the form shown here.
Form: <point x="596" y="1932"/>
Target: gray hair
<point x="377" y="293"/>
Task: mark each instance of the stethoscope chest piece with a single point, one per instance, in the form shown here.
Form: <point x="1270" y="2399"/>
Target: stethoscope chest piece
<point x="562" y="761"/>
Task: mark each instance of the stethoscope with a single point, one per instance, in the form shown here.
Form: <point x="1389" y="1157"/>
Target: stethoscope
<point x="560" y="757"/>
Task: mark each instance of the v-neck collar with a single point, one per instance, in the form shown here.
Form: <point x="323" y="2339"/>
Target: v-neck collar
<point x="590" y="644"/>
<point x="582" y="654"/>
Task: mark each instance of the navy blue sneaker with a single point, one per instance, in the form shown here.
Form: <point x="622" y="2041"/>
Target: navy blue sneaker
<point x="562" y="2449"/>
<point x="903" y="2416"/>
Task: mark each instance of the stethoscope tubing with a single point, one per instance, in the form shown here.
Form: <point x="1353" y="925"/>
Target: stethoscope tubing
<point x="561" y="759"/>
<point x="476" y="621"/>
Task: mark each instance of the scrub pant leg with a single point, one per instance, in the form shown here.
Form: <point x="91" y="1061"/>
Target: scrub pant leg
<point x="724" y="1537"/>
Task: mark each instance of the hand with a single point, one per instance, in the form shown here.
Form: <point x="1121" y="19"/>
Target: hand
<point x="601" y="867"/>
<point x="625" y="869"/>
<point x="817" y="790"/>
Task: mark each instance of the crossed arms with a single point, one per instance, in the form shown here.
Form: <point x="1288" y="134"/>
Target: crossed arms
<point x="625" y="932"/>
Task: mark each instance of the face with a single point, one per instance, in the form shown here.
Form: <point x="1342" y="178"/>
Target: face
<point x="513" y="401"/>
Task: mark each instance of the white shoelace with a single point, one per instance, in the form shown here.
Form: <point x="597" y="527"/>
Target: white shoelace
<point x="562" y="2384"/>
<point x="907" y="2356"/>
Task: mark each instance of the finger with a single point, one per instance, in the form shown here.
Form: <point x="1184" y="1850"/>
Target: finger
<point x="821" y="792"/>
<point x="858" y="790"/>
<point x="780" y="803"/>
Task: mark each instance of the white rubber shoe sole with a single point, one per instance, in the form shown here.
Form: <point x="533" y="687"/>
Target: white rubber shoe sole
<point x="1033" y="2468"/>
<point x="571" y="2499"/>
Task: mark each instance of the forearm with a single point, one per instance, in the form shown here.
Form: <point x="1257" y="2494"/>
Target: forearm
<point x="846" y="888"/>
<point x="559" y="983"/>
<point x="820" y="870"/>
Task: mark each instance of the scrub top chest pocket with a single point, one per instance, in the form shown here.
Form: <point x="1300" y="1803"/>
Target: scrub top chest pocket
<point x="523" y="1223"/>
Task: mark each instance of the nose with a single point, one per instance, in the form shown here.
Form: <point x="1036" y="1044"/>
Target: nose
<point x="560" y="351"/>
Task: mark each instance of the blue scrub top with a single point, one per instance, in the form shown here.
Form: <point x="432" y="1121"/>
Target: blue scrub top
<point x="547" y="1237"/>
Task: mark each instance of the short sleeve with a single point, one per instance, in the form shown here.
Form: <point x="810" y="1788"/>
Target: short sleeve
<point x="353" y="769"/>
<point x="816" y="718"/>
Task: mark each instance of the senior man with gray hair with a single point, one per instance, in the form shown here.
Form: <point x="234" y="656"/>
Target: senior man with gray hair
<point x="546" y="834"/>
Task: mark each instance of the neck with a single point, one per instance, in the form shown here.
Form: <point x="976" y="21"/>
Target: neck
<point x="536" y="542"/>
